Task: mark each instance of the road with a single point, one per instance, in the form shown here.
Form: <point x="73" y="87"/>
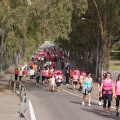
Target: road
<point x="64" y="105"/>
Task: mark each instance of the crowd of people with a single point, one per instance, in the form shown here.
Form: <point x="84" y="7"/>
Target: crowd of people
<point x="43" y="66"/>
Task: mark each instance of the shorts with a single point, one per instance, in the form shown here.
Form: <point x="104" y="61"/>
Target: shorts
<point x="75" y="82"/>
<point x="24" y="75"/>
<point x="52" y="84"/>
<point x="86" y="91"/>
<point x="58" y="84"/>
<point x="43" y="78"/>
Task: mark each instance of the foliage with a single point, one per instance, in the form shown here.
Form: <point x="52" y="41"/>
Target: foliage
<point x="27" y="23"/>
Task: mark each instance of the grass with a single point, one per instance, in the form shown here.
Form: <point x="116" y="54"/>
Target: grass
<point x="114" y="65"/>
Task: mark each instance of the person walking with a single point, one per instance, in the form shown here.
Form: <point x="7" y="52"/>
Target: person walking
<point x="32" y="72"/>
<point x="16" y="72"/>
<point x="67" y="76"/>
<point x="43" y="74"/>
<point x="58" y="81"/>
<point x="62" y="65"/>
<point x="71" y="75"/>
<point x="107" y="90"/>
<point x="81" y="79"/>
<point x="20" y="74"/>
<point x="75" y="80"/>
<point x="37" y="76"/>
<point x="52" y="83"/>
<point x="99" y="87"/>
<point x="117" y="94"/>
<point x="24" y="74"/>
<point x="87" y="88"/>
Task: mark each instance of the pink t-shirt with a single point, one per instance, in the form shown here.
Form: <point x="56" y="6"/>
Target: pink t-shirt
<point x="57" y="71"/>
<point x="107" y="86"/>
<point x="78" y="72"/>
<point x="44" y="73"/>
<point x="84" y="74"/>
<point x="58" y="78"/>
<point x="75" y="77"/>
<point x="117" y="86"/>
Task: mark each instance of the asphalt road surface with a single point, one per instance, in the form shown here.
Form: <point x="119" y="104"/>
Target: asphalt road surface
<point x="64" y="105"/>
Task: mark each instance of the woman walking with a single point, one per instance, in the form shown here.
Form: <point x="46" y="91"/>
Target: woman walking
<point x="32" y="72"/>
<point x="117" y="94"/>
<point x="75" y="80"/>
<point x="67" y="76"/>
<point x="20" y="74"/>
<point x="107" y="89"/>
<point x="43" y="74"/>
<point x="99" y="88"/>
<point x="81" y="79"/>
<point x="24" y="74"/>
<point x="37" y="77"/>
<point x="52" y="83"/>
<point x="58" y="81"/>
<point x="16" y="72"/>
<point x="87" y="88"/>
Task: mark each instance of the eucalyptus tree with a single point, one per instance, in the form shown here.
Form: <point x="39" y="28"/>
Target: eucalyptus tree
<point x="26" y="23"/>
<point x="108" y="17"/>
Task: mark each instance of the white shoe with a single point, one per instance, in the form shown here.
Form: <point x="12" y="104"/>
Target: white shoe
<point x="108" y="113"/>
<point x="105" y="113"/>
<point x="100" y="103"/>
<point x="83" y="103"/>
<point x="89" y="105"/>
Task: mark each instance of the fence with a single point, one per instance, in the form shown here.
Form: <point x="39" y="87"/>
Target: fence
<point x="82" y="63"/>
<point x="21" y="91"/>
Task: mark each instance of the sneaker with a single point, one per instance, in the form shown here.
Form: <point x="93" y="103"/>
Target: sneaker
<point x="83" y="103"/>
<point x="100" y="103"/>
<point x="89" y="105"/>
<point x="108" y="113"/>
<point x="117" y="114"/>
<point x="105" y="113"/>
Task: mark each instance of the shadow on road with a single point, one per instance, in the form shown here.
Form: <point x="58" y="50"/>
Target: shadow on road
<point x="101" y="114"/>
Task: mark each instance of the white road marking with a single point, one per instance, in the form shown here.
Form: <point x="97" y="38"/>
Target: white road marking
<point x="32" y="114"/>
<point x="82" y="96"/>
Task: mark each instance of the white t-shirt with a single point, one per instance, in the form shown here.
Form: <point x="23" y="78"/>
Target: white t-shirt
<point x="32" y="72"/>
<point x="58" y="78"/>
<point x="23" y="68"/>
<point x="42" y="58"/>
<point x="52" y="80"/>
<point x="50" y="63"/>
<point x="44" y="65"/>
<point x="38" y="58"/>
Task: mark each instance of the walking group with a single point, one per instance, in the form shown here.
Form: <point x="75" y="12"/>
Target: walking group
<point x="44" y="66"/>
